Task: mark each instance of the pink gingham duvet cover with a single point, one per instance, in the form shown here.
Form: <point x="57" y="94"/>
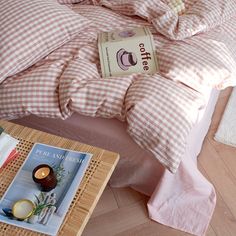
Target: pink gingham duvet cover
<point x="160" y="109"/>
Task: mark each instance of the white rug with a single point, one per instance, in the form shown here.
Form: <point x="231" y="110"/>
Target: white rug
<point x="226" y="132"/>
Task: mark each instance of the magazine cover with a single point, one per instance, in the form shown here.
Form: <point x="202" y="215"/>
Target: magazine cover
<point x="42" y="190"/>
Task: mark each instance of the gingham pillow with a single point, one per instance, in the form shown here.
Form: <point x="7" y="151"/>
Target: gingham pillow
<point x="31" y="29"/>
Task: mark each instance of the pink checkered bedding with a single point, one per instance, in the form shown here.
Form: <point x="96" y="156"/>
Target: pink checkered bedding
<point x="160" y="109"/>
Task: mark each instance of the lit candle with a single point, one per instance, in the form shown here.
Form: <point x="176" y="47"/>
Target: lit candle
<point x="42" y="173"/>
<point x="23" y="209"/>
<point x="45" y="177"/>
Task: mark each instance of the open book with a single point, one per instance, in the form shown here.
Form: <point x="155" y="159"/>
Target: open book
<point x="49" y="206"/>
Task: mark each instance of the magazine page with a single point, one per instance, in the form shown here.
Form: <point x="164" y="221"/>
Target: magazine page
<point x="42" y="190"/>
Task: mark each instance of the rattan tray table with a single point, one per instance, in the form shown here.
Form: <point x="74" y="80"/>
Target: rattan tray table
<point x="96" y="177"/>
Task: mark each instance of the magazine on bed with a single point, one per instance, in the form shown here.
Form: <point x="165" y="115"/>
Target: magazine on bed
<point x="41" y="192"/>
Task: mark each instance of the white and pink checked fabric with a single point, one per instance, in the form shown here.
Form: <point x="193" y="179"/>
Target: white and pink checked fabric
<point x="160" y="112"/>
<point x="69" y="1"/>
<point x="31" y="29"/>
<point x="177" y="6"/>
<point x="206" y="60"/>
<point x="172" y="19"/>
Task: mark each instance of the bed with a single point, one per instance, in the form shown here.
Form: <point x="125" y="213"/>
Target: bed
<point x="156" y="122"/>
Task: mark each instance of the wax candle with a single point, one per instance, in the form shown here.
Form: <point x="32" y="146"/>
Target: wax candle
<point x="42" y="173"/>
<point x="23" y="209"/>
<point x="45" y="177"/>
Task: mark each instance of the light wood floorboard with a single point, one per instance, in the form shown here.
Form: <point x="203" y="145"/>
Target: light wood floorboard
<point x="123" y="212"/>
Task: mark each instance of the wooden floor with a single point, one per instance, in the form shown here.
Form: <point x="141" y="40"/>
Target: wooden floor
<point x="123" y="211"/>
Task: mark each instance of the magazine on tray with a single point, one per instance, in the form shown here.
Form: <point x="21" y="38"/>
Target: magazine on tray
<point x="41" y="192"/>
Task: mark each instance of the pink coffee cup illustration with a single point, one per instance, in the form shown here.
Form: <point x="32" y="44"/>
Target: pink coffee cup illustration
<point x="126" y="59"/>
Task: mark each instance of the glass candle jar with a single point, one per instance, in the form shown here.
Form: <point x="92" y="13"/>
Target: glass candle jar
<point x="45" y="177"/>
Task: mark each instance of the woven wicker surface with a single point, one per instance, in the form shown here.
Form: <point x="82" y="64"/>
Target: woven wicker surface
<point x="96" y="177"/>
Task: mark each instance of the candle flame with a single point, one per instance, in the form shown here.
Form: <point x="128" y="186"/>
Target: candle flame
<point x="41" y="173"/>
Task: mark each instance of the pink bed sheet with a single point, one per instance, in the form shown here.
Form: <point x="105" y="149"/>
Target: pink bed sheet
<point x="184" y="200"/>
